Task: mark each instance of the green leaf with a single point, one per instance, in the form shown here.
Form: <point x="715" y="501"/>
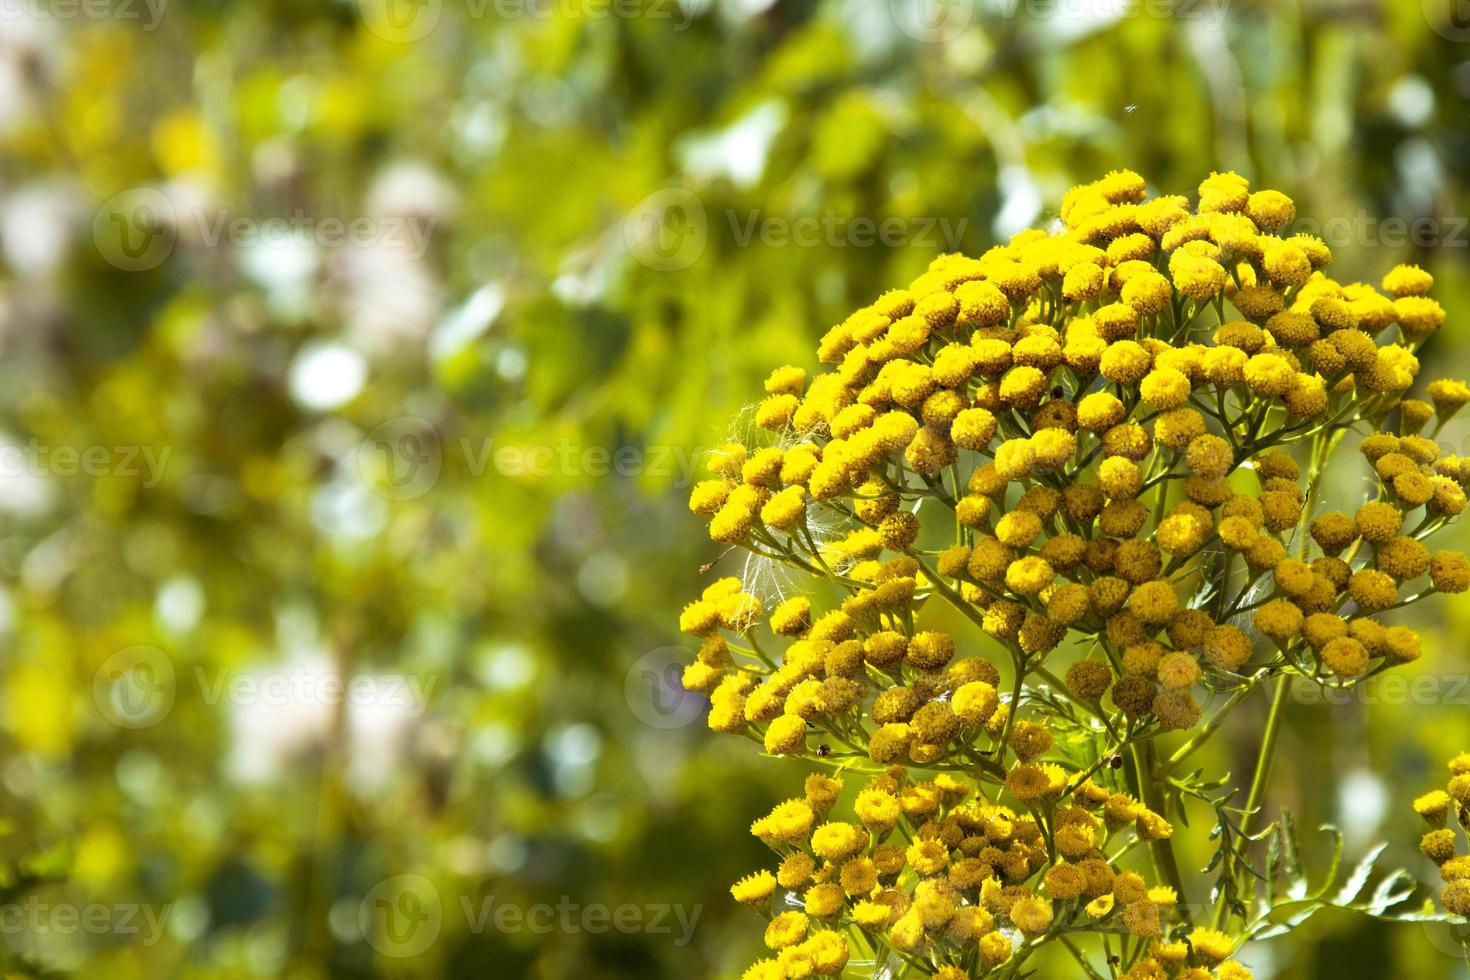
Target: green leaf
<point x="1361" y="873"/>
<point x="1336" y="860"/>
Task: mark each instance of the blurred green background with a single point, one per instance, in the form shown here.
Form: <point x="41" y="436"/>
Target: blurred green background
<point x="354" y="360"/>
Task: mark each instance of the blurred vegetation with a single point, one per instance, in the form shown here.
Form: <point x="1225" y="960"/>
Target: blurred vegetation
<point x="337" y="424"/>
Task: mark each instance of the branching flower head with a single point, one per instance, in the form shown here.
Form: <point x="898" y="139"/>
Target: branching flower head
<point x="1100" y="449"/>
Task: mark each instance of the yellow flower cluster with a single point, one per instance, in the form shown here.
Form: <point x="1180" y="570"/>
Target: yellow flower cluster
<point x="1102" y="446"/>
<point x="1440" y="844"/>
<point x="932" y="871"/>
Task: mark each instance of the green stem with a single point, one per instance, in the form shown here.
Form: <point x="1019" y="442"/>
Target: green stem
<point x="1199" y="738"/>
<point x="1166" y="865"/>
<point x="1266" y="755"/>
<point x="1257" y="793"/>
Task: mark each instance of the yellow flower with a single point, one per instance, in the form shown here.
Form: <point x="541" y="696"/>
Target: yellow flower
<point x="1345" y="657"/>
<point x="1211" y="945"/>
<point x="829" y="952"/>
<point x="995" y="948"/>
<point x="786" y="735"/>
<point x="1269" y="374"/>
<point x="1141" y="917"/>
<point x="1449" y="571"/>
<point x="1372" y="590"/>
<point x="1032" y="915"/>
<point x="786" y="509"/>
<point x="1280" y="619"/>
<point x="1154" y="602"/>
<point x="786" y="929"/>
<point x="1270" y="210"/>
<point x="824" y="901"/>
<point x="764" y="970"/>
<point x="1125" y="362"/>
<point x="973" y="428"/>
<point x="754" y="889"/>
<point x="1378" y="521"/>
<point x="835" y="841"/>
<point x="1456" y="897"/>
<point x="1028" y="576"/>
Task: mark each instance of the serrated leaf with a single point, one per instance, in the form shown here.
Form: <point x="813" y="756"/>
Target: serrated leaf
<point x="1273" y="864"/>
<point x="1388" y="892"/>
<point x="1291" y="852"/>
<point x="1361" y="873"/>
<point x="1458" y="920"/>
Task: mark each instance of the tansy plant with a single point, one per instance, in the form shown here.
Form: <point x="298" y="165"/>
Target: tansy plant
<point x="1102" y="446"/>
